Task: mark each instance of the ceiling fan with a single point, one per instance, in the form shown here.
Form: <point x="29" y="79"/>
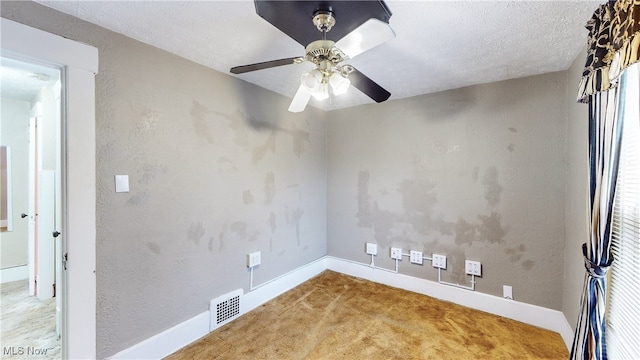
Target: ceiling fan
<point x="357" y="25"/>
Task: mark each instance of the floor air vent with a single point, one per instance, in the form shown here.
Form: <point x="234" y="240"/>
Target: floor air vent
<point x="225" y="308"/>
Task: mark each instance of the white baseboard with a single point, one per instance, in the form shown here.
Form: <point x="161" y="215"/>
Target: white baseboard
<point x="15" y="273"/>
<point x="281" y="284"/>
<point x="529" y="314"/>
<point x="175" y="338"/>
<point x="183" y="334"/>
<point x="168" y="341"/>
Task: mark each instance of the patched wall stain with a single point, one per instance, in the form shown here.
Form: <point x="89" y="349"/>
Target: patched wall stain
<point x="300" y="137"/>
<point x="383" y="222"/>
<point x="272" y="221"/>
<point x="364" y="214"/>
<point x="511" y="147"/>
<point x="150" y="172"/>
<point x="146" y="121"/>
<point x="195" y="232"/>
<point x="210" y="245"/>
<point x="237" y="123"/>
<point x="199" y="120"/>
<point x="239" y="228"/>
<point x="153" y="247"/>
<point x="254" y="236"/>
<point x="295" y="220"/>
<point x="139" y="199"/>
<point x="465" y="232"/>
<point x="513" y="130"/>
<point x="516" y="253"/>
<point x="418" y="201"/>
<point x="493" y="189"/>
<point x="269" y="188"/>
<point x="528" y="264"/>
<point x="490" y="228"/>
<point x="269" y="145"/>
<point x="221" y="245"/>
<point x="247" y="197"/>
<point x="225" y="164"/>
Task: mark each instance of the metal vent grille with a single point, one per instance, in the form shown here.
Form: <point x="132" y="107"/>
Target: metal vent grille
<point x="225" y="308"/>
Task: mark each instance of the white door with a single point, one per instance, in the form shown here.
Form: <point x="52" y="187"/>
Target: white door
<point x="45" y="245"/>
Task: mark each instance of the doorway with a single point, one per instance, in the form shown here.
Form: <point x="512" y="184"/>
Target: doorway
<point x="79" y="64"/>
<point x="30" y="134"/>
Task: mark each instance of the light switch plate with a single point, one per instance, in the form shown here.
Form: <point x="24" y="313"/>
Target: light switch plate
<point x="122" y="183"/>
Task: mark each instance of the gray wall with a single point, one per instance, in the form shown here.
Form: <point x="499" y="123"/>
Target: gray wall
<point x="218" y="168"/>
<point x="474" y="173"/>
<point x="576" y="227"/>
<point x="15" y="134"/>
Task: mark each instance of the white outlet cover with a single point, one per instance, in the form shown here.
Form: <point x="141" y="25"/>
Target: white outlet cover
<point x="396" y="253"/>
<point x="415" y="257"/>
<point x="473" y="267"/>
<point x="372" y="249"/>
<point x="439" y="261"/>
<point x="507" y="292"/>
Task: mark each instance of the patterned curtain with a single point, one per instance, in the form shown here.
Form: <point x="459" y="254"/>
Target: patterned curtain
<point x="613" y="45"/>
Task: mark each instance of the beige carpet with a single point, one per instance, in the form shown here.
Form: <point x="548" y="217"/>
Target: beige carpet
<point x="335" y="316"/>
<point x="27" y="325"/>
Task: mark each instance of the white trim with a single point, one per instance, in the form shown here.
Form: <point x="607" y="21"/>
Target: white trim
<point x="80" y="64"/>
<point x="55" y="50"/>
<point x="281" y="284"/>
<point x="15" y="273"/>
<point x="566" y="331"/>
<point x="183" y="334"/>
<point x="168" y="341"/>
<point x="535" y="315"/>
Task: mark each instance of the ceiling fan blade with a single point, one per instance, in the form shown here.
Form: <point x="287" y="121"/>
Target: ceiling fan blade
<point x="264" y="65"/>
<point x="365" y="37"/>
<point x="300" y="100"/>
<point x="368" y="86"/>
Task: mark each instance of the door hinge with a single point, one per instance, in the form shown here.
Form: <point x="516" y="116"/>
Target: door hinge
<point x="64" y="261"/>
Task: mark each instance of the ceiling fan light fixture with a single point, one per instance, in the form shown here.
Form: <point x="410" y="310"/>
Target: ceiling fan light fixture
<point x="312" y="80"/>
<point x="339" y="83"/>
<point x="322" y="93"/>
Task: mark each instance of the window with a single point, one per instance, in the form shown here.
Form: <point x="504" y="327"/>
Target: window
<point x="624" y="286"/>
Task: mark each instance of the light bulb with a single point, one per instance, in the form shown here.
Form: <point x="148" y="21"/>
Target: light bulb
<point x="339" y="83"/>
<point x="322" y="93"/>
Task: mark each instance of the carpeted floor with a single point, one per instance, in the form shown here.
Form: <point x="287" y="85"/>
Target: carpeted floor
<point x="335" y="316"/>
<point x="27" y="325"/>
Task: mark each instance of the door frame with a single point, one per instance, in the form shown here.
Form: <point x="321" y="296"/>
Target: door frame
<point x="79" y="63"/>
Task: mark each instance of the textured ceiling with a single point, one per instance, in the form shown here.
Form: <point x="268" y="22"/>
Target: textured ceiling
<point x="23" y="81"/>
<point x="439" y="45"/>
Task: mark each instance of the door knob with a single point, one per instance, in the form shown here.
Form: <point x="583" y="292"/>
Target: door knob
<point x="23" y="215"/>
<point x="55" y="234"/>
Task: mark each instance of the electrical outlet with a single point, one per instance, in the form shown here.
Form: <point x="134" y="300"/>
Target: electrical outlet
<point x="253" y="259"/>
<point x="415" y="257"/>
<point x="372" y="249"/>
<point x="439" y="261"/>
<point x="396" y="253"/>
<point x="473" y="267"/>
<point x="507" y="292"/>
